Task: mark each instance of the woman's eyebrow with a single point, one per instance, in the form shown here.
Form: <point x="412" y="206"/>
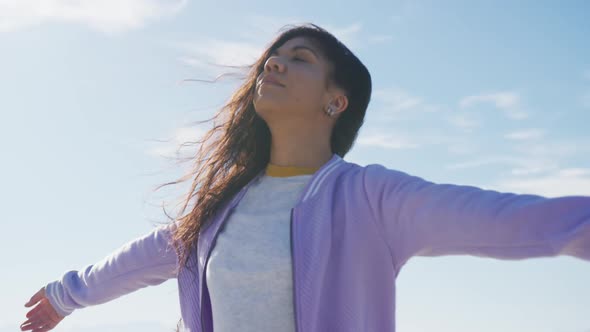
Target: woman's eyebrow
<point x="298" y="47"/>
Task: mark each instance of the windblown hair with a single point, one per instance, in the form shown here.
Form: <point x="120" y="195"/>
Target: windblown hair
<point x="237" y="149"/>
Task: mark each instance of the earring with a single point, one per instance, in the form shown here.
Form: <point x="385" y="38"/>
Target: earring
<point x="330" y="111"/>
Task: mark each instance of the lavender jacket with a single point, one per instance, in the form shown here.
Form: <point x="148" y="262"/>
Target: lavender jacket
<point x="352" y="230"/>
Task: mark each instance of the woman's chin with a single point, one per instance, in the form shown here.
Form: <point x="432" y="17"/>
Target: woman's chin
<point x="266" y="107"/>
<point x="266" y="100"/>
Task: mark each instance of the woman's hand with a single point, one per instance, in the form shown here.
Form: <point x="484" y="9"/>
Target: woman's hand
<point x="43" y="317"/>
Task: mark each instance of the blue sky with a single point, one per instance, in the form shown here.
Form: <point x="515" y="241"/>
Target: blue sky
<point x="494" y="94"/>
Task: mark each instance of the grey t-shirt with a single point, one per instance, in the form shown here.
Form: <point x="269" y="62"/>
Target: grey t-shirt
<point x="249" y="272"/>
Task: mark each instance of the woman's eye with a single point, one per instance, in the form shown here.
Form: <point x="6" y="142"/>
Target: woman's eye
<point x="298" y="59"/>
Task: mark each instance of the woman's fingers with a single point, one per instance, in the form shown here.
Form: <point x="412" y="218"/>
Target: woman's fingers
<point x="38" y="317"/>
<point x="32" y="318"/>
<point x="43" y="329"/>
<point x="43" y="307"/>
<point x="41" y="318"/>
<point x="33" y="311"/>
<point x="46" y="326"/>
<point x="25" y="326"/>
<point x="34" y="322"/>
<point x="31" y="325"/>
<point x="38" y="322"/>
<point x="36" y="298"/>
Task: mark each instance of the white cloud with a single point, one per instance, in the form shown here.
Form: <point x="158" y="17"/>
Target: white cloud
<point x="532" y="157"/>
<point x="529" y="171"/>
<point x="395" y="112"/>
<point x="529" y="134"/>
<point x="510" y="165"/>
<point x="544" y="156"/>
<point x="564" y="182"/>
<point x="489" y="160"/>
<point x="348" y="35"/>
<point x="553" y="150"/>
<point x="405" y="11"/>
<point x="394" y="107"/>
<point x="501" y="99"/>
<point x="379" y="39"/>
<point x="396" y="99"/>
<point x="463" y="121"/>
<point x="109" y="16"/>
<point x="386" y="141"/>
<point x="507" y="101"/>
<point x="462" y="147"/>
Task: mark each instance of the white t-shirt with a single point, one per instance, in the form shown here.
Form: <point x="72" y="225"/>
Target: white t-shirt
<point x="249" y="272"/>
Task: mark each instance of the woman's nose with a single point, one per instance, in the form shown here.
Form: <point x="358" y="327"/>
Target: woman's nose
<point x="274" y="63"/>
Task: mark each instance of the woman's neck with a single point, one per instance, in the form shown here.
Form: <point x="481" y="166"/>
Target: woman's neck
<point x="311" y="158"/>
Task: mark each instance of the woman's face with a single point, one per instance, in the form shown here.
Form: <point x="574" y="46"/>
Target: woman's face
<point x="302" y="72"/>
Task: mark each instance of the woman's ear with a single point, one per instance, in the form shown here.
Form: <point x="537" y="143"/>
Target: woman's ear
<point x="339" y="103"/>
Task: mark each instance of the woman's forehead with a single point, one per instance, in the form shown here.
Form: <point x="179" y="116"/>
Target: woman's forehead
<point x="300" y="41"/>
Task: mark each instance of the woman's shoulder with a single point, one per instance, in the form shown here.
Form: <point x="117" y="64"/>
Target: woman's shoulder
<point x="373" y="170"/>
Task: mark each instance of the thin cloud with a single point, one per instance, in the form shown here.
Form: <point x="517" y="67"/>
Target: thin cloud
<point x="349" y="35"/>
<point x="500" y="99"/>
<point x="529" y="134"/>
<point x="530" y="170"/>
<point x="396" y="99"/>
<point x="509" y="102"/>
<point x="531" y="157"/>
<point x="386" y="141"/>
<point x="511" y="165"/>
<point x="545" y="156"/>
<point x="395" y="111"/>
<point x="462" y="147"/>
<point x="553" y="150"/>
<point x="108" y="16"/>
<point x="489" y="160"/>
<point x="397" y="108"/>
<point x="379" y="39"/>
<point x="405" y="11"/>
<point x="462" y="121"/>
<point x="564" y="182"/>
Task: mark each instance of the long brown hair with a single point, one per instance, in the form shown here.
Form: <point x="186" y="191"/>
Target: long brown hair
<point x="236" y="149"/>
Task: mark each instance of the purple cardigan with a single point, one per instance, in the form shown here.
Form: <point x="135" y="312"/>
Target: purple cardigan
<point x="352" y="230"/>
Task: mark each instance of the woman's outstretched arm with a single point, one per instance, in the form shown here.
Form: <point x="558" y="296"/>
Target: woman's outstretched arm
<point x="147" y="260"/>
<point x="422" y="218"/>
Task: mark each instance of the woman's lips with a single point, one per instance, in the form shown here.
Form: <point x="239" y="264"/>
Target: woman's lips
<point x="271" y="83"/>
<point x="271" y="79"/>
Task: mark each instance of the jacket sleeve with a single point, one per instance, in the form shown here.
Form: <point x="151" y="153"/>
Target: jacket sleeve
<point x="422" y="218"/>
<point x="147" y="260"/>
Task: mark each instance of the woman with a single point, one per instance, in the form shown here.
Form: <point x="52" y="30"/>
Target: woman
<point x="285" y="235"/>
